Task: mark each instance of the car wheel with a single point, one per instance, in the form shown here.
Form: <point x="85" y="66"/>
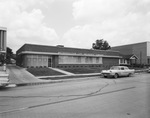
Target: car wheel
<point x="116" y="76"/>
<point x="129" y="74"/>
<point x="104" y="76"/>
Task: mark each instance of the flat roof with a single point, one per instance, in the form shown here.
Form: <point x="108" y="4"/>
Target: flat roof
<point x="57" y="49"/>
<point x="131" y="44"/>
<point x="3" y="28"/>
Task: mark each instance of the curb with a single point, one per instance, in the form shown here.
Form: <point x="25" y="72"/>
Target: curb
<point x="69" y="76"/>
<point x="34" y="83"/>
<point x="51" y="80"/>
<point x="139" y="71"/>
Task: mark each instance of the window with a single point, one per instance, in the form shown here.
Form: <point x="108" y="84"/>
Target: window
<point x="29" y="59"/>
<point x="122" y="61"/>
<point x="45" y="59"/>
<point x="40" y="59"/>
<point x="86" y="60"/>
<point x="97" y="60"/>
<point x="91" y="60"/>
<point x="78" y="59"/>
<point x="34" y="59"/>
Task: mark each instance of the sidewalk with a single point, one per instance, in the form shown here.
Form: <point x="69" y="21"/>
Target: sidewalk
<point x="19" y="75"/>
<point x="62" y="71"/>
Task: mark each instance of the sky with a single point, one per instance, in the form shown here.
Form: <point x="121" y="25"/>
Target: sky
<point x="75" y="23"/>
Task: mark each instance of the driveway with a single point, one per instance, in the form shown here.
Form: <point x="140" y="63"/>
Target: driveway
<point x="20" y="75"/>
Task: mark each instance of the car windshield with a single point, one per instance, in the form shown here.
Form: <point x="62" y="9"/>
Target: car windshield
<point x="114" y="68"/>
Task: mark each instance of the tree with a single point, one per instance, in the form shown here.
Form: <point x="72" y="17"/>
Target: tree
<point x="6" y="58"/>
<point x="1" y="59"/>
<point x="9" y="55"/>
<point x="101" y="44"/>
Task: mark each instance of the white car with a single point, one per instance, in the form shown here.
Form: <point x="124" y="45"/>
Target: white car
<point x="4" y="79"/>
<point x="117" y="71"/>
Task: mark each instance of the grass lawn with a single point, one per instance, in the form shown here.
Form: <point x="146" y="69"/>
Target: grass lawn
<point x="83" y="70"/>
<point x="43" y="72"/>
<point x="49" y="72"/>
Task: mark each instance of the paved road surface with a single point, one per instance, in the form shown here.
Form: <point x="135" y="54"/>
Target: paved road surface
<point x="92" y="98"/>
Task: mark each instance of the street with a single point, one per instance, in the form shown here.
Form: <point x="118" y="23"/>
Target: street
<point x="94" y="97"/>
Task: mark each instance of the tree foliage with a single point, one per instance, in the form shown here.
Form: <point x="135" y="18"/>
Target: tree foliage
<point x="1" y="59"/>
<point x="9" y="54"/>
<point x="101" y="44"/>
<point x="6" y="58"/>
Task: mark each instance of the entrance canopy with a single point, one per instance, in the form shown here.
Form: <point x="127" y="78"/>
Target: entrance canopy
<point x="130" y="57"/>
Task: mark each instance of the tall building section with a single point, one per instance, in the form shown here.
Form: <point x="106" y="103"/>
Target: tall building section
<point x="141" y="50"/>
<point x="3" y="39"/>
<point x="148" y="52"/>
<point x="3" y="46"/>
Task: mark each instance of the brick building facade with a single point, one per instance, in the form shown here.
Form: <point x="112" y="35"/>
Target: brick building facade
<point x="141" y="50"/>
<point x="30" y="55"/>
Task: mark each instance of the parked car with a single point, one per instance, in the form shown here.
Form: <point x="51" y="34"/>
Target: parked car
<point x="117" y="71"/>
<point x="4" y="79"/>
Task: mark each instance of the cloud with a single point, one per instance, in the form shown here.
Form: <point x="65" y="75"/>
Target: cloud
<point x="117" y="21"/>
<point x="24" y="26"/>
<point x="98" y="10"/>
<point x="81" y="36"/>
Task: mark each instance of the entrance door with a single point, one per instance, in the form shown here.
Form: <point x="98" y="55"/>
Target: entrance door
<point x="49" y="62"/>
